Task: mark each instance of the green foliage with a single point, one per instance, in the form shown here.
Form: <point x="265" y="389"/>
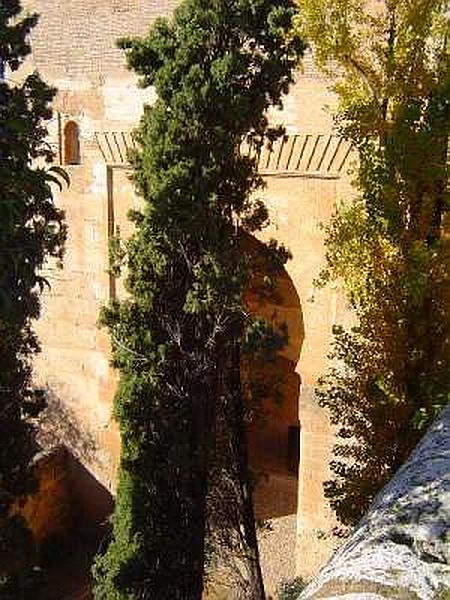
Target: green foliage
<point x="31" y="230"/>
<point x="217" y="67"/>
<point x="21" y="587"/>
<point x="386" y="246"/>
<point x="290" y="590"/>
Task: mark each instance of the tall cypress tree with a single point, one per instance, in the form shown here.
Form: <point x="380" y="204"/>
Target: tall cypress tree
<point x="217" y="67"/>
<point x="31" y="230"/>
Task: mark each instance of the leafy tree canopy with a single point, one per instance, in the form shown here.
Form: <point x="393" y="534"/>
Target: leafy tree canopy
<point x="386" y="246"/>
<point x="31" y="230"/>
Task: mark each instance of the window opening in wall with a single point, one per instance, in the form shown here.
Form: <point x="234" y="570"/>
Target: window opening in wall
<point x="72" y="144"/>
<point x="293" y="448"/>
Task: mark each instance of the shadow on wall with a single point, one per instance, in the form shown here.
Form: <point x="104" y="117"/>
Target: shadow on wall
<point x="274" y="437"/>
<point x="69" y="502"/>
<point x="59" y="427"/>
<point x="93" y="501"/>
<point x="67" y="516"/>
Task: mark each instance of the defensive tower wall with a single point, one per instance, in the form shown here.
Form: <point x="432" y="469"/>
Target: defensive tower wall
<point x="96" y="107"/>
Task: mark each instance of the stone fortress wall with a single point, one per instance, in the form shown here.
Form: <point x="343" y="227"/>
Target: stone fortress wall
<point x="306" y="174"/>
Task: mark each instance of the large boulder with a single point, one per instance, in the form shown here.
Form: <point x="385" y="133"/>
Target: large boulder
<point x="401" y="548"/>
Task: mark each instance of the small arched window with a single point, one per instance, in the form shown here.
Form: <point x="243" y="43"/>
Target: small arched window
<point x="72" y="144"/>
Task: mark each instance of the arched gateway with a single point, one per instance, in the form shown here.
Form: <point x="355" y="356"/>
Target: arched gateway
<point x="306" y="174"/>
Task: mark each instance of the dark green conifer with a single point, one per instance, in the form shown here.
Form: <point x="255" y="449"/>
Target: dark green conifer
<point x="217" y="67"/>
<point x="31" y="230"/>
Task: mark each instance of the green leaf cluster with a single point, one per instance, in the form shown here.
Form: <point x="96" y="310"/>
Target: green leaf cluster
<point x="31" y="230"/>
<point x="387" y="246"/>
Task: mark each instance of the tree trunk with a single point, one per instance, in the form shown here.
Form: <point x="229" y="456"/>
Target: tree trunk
<point x="238" y="438"/>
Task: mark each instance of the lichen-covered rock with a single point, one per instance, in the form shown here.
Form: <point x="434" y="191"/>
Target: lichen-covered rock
<point x="401" y="548"/>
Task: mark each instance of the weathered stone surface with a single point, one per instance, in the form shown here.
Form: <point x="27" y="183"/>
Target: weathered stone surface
<point x="401" y="548"/>
<point x="49" y="512"/>
<point x="67" y="499"/>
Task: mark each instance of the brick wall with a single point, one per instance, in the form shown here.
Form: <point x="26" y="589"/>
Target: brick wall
<point x="79" y="37"/>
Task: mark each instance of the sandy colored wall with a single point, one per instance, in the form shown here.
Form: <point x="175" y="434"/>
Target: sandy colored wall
<point x="48" y="512"/>
<point x="66" y="499"/>
<point x="298" y="207"/>
<point x="73" y="47"/>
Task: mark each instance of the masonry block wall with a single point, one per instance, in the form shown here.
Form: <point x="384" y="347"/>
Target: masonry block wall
<point x="74" y="49"/>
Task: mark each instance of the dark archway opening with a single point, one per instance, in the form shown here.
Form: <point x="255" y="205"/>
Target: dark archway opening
<point x="72" y="154"/>
<point x="274" y="435"/>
